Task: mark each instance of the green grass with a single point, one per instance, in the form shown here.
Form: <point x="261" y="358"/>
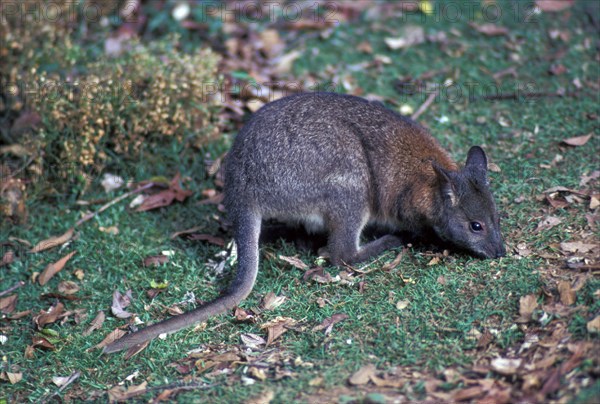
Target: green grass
<point x="430" y="335"/>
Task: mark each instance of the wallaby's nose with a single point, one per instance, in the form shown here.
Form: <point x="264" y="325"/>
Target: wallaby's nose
<point x="501" y="252"/>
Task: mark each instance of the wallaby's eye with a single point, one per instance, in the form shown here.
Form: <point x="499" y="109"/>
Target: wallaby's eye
<point x="476" y="226"/>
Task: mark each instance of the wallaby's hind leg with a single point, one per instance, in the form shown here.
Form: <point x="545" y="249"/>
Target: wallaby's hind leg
<point x="344" y="241"/>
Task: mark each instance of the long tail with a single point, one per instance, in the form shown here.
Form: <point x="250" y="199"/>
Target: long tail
<point x="247" y="232"/>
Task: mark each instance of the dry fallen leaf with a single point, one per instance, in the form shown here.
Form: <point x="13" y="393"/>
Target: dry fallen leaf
<point x="276" y="328"/>
<point x="120" y="393"/>
<point x="263" y="398"/>
<point x="402" y="304"/>
<point x="41" y="342"/>
<point x="95" y="324"/>
<point x="110" y="182"/>
<point x="577" y="140"/>
<point x="593" y="326"/>
<point x="110" y="338"/>
<point x="547" y="223"/>
<point x="294" y="261"/>
<point x="68" y="287"/>
<point x="252" y="340"/>
<point x="505" y="366"/>
<point x="155" y="260"/>
<point x="53" y="241"/>
<point x="210" y="238"/>
<point x="54" y="268"/>
<point x="50" y="316"/>
<point x="14" y="377"/>
<point x="272" y="301"/>
<point x="577" y="246"/>
<point x="362" y="375"/>
<point x="166" y="196"/>
<point x="7" y="258"/>
<point x="489" y="29"/>
<point x="8" y="304"/>
<point x="119" y="303"/>
<point x="411" y="35"/>
<point x="527" y="304"/>
<point x="328" y="323"/>
<point x="567" y="294"/>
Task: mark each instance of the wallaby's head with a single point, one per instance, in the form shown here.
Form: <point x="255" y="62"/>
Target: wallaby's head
<point x="468" y="216"/>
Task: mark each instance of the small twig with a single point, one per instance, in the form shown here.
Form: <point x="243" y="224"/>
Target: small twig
<point x="517" y="96"/>
<point x="424" y="106"/>
<point x="12" y="288"/>
<point x="177" y="387"/>
<point x="114" y="201"/>
<point x="74" y="376"/>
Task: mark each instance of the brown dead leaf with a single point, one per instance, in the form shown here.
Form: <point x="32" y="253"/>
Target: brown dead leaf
<point x="110" y="338"/>
<point x="95" y="324"/>
<point x="283" y="64"/>
<point x="411" y="35"/>
<point x="489" y="29"/>
<point x="53" y="241"/>
<point x="593" y="326"/>
<point x="53" y="269"/>
<point x="7" y="258"/>
<point x="577" y="247"/>
<point x="29" y="352"/>
<point x="392" y="265"/>
<point x="317" y="274"/>
<point x="329" y="322"/>
<point x="8" y="304"/>
<point x="567" y="294"/>
<point x="210" y="238"/>
<point x="586" y="178"/>
<point x="505" y="366"/>
<point x="272" y="301"/>
<point x="155" y="260"/>
<point x="186" y="231"/>
<point x="263" y="398"/>
<point x="41" y="342"/>
<point x="552" y="6"/>
<point x="50" y="316"/>
<point x="271" y="42"/>
<point x="119" y="303"/>
<point x="468" y="394"/>
<point x="577" y="140"/>
<point x="252" y="340"/>
<point x="547" y="223"/>
<point x="362" y="375"/>
<point x="557" y="69"/>
<point x="295" y="262"/>
<point x="486" y="339"/>
<point x="277" y="327"/>
<point x="242" y="315"/>
<point x="165" y="197"/>
<point x="120" y="393"/>
<point x="527" y="304"/>
<point x="388" y="381"/>
<point x="68" y="287"/>
<point x="14" y="377"/>
<point x="135" y="349"/>
<point x="19" y="314"/>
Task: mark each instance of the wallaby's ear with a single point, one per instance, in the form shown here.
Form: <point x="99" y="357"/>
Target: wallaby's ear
<point x="477" y="163"/>
<point x="446" y="185"/>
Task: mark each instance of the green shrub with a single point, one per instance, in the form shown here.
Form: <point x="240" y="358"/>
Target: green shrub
<point x="89" y="107"/>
